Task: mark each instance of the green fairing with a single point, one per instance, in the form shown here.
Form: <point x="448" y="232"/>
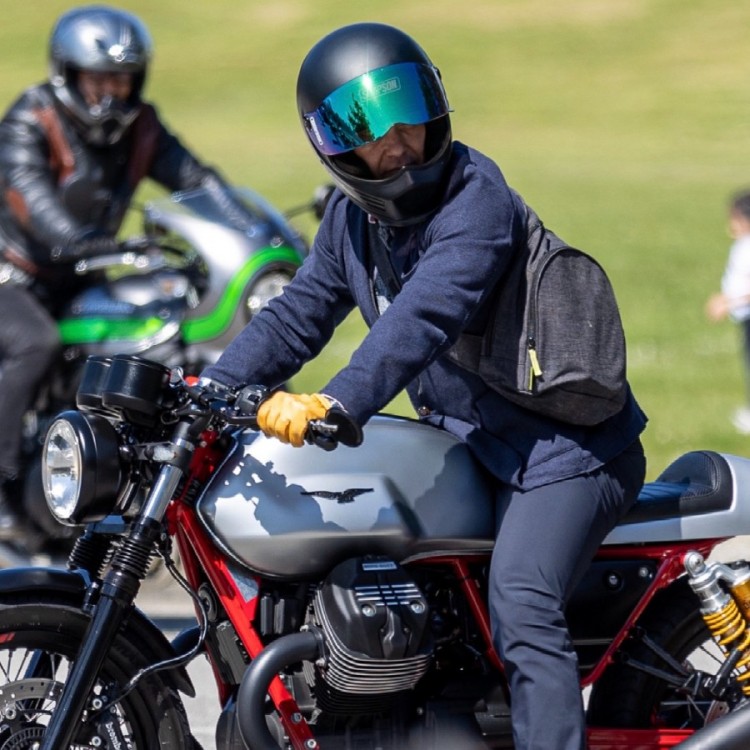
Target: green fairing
<point x="212" y="325"/>
<point x="92" y="330"/>
<point x="95" y="329"/>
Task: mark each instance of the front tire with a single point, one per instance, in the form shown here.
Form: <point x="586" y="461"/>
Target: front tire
<point x="38" y="644"/>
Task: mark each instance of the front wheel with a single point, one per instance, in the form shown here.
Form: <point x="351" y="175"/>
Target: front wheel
<point x="38" y="644"/>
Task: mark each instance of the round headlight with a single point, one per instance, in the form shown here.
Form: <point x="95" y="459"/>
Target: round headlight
<point x="81" y="468"/>
<point x="268" y="286"/>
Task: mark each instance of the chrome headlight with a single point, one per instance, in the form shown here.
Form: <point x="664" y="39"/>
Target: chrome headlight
<point x="268" y="286"/>
<point x="81" y="469"/>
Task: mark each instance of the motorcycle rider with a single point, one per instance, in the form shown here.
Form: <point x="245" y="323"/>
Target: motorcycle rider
<point x="449" y="222"/>
<point x="72" y="152"/>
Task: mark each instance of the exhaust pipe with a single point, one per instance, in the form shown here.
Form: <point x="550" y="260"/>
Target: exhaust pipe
<point x="731" y="732"/>
<point x="251" y="697"/>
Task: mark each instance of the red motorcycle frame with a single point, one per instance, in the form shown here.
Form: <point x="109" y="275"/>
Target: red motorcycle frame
<point x="202" y="560"/>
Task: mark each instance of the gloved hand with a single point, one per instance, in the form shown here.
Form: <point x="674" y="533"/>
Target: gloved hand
<point x="286" y="415"/>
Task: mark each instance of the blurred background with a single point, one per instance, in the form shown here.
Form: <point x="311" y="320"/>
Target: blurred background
<point x="625" y="123"/>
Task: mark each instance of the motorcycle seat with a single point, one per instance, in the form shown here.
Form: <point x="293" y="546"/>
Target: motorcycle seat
<point x="697" y="482"/>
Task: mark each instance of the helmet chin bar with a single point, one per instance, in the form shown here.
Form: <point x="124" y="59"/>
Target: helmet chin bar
<point x="406" y="197"/>
<point x="99" y="125"/>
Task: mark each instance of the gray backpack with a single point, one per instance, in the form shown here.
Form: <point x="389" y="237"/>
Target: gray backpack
<point x="554" y="342"/>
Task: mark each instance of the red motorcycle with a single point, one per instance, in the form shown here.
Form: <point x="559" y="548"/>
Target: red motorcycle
<point x="340" y="596"/>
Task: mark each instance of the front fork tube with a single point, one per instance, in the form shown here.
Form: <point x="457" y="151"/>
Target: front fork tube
<point x="115" y="601"/>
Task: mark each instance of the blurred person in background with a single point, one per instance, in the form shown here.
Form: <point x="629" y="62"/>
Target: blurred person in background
<point x="73" y="150"/>
<point x="733" y="300"/>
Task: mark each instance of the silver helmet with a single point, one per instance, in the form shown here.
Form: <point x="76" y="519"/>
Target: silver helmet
<point x="98" y="38"/>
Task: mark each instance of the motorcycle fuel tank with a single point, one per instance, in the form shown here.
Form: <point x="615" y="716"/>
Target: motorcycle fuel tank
<point x="408" y="490"/>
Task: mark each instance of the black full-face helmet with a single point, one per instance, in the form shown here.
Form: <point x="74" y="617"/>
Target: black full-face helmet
<point x="353" y="86"/>
<point x="101" y="39"/>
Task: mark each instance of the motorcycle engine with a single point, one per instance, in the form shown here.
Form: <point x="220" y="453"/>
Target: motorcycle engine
<point x="374" y="621"/>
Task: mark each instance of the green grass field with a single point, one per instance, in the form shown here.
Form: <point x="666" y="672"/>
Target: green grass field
<point x="625" y="123"/>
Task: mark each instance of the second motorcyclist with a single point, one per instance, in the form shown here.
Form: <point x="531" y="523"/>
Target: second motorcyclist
<point x="72" y="153"/>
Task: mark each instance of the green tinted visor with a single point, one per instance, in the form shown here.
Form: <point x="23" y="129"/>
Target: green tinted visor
<point x="367" y="107"/>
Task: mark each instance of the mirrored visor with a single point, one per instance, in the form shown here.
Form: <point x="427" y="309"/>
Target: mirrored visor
<point x="367" y="107"/>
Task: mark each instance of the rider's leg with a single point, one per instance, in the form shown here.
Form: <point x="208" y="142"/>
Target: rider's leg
<point x="546" y="539"/>
<point x="29" y="340"/>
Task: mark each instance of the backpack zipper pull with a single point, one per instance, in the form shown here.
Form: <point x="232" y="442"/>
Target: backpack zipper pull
<point x="536" y="370"/>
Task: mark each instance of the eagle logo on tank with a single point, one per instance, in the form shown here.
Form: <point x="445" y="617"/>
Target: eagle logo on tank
<point x="345" y="496"/>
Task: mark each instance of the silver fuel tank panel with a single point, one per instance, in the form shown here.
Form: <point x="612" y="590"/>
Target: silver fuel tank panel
<point x="409" y="489"/>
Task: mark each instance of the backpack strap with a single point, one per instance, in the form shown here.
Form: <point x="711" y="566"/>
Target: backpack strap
<point x="382" y="260"/>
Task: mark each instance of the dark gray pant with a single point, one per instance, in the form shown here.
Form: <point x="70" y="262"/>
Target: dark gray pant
<point x="29" y="340"/>
<point x="545" y="542"/>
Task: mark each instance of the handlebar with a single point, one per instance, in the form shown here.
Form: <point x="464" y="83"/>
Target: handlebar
<point x="238" y="407"/>
<point x="136" y="254"/>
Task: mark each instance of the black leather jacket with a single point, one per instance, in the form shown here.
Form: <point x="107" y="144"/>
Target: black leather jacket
<point x="54" y="187"/>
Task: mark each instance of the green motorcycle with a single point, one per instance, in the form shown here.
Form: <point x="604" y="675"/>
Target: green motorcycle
<point x="205" y="264"/>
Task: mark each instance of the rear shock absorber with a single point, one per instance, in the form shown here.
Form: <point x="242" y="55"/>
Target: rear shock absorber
<point x="726" y="611"/>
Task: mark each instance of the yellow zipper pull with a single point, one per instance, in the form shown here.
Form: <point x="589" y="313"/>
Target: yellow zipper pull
<point x="536" y="370"/>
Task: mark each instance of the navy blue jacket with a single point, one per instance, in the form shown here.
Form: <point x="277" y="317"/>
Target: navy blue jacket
<point x="452" y="261"/>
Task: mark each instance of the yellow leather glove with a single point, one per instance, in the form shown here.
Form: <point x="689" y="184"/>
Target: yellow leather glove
<point x="286" y="415"/>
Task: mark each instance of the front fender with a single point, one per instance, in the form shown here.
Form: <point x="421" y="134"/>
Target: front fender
<point x="36" y="580"/>
<point x="68" y="587"/>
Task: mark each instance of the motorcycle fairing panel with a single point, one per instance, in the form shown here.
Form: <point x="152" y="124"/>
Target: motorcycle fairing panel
<point x="227" y="267"/>
<point x="271" y="505"/>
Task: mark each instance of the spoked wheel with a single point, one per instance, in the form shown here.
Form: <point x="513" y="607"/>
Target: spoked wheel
<point x="629" y="697"/>
<point x="38" y="644"/>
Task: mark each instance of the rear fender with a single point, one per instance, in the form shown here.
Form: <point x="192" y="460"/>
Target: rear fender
<point x="69" y="587"/>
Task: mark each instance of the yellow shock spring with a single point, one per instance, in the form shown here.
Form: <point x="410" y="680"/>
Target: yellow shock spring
<point x="730" y="629"/>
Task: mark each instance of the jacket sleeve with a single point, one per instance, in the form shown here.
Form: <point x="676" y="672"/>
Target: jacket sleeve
<point x="294" y="327"/>
<point x="29" y="182"/>
<point x="172" y="164"/>
<point x="175" y="167"/>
